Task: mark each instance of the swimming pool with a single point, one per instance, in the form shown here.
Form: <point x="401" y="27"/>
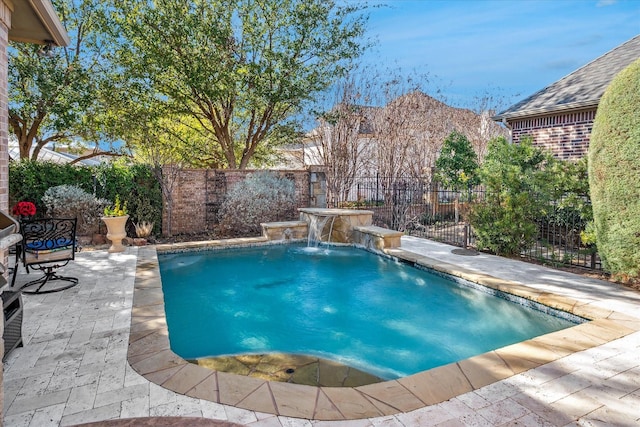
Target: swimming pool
<point x="338" y="303"/>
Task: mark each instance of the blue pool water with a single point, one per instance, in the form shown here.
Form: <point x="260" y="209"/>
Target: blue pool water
<point x="339" y="303"/>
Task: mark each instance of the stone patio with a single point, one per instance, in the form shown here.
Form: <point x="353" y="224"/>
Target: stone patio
<point x="74" y="368"/>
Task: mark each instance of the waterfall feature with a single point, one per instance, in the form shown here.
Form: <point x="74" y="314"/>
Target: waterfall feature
<point x="317" y="224"/>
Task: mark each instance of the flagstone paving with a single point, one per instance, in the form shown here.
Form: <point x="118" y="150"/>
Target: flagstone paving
<point x="76" y="365"/>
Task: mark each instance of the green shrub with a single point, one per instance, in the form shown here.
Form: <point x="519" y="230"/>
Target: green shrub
<point x="28" y="180"/>
<point x="70" y="201"/>
<point x="614" y="167"/>
<point x="136" y="185"/>
<point x="517" y="193"/>
<point x="260" y="197"/>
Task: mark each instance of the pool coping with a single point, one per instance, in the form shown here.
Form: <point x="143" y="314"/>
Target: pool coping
<point x="150" y="355"/>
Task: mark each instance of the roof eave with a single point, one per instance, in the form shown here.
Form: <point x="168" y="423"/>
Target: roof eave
<point x="583" y="105"/>
<point x="33" y="12"/>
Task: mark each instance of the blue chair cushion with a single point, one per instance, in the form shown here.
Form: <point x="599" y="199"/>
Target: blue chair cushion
<point x="49" y="245"/>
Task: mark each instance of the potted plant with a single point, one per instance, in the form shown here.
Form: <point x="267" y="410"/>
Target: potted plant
<point x="116" y="219"/>
<point x="24" y="210"/>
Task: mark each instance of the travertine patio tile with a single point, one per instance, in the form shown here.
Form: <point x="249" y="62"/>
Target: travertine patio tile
<point x="542" y="410"/>
<point x="351" y="403"/>
<point x="503" y="412"/>
<point x="473" y="400"/>
<point x="17" y="372"/>
<point x="559" y="388"/>
<point x="135" y="408"/>
<point x="457" y="408"/>
<point x="35" y="402"/>
<point x="576" y="405"/>
<point x="186" y="378"/>
<point x="35" y="385"/>
<point x="428" y="416"/>
<point x="233" y="388"/>
<point x="345" y="423"/>
<point x="239" y="415"/>
<point x="529" y="420"/>
<point x="125" y="393"/>
<point x="485" y="369"/>
<point x="19" y="420"/>
<point x="259" y="400"/>
<point x="393" y="394"/>
<point x="11" y="390"/>
<point x="99" y="414"/>
<point x="81" y="399"/>
<point x="437" y="385"/>
<point x="294" y="400"/>
<point x="49" y="416"/>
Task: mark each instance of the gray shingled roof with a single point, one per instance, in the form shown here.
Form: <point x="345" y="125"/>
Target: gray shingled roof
<point x="581" y="89"/>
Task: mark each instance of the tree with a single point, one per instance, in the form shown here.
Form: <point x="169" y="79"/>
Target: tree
<point x="241" y="68"/>
<point x="341" y="138"/>
<point x="51" y="92"/>
<point x="613" y="174"/>
<point x="457" y="166"/>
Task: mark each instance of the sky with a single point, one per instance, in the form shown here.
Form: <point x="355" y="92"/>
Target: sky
<point x="509" y="49"/>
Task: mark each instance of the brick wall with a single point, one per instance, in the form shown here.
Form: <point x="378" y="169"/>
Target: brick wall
<point x="565" y="135"/>
<point x="5" y="24"/>
<point x="198" y="194"/>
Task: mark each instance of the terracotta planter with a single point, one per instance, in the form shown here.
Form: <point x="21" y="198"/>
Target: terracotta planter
<point x="116" y="231"/>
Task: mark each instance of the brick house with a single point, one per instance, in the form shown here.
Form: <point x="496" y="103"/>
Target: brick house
<point x="560" y="116"/>
<point x="28" y="21"/>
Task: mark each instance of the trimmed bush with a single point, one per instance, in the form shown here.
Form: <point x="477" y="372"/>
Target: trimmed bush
<point x="28" y="181"/>
<point x="70" y="201"/>
<point x="614" y="168"/>
<point x="260" y="197"/>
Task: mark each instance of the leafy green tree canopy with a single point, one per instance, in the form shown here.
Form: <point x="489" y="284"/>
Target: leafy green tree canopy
<point x="241" y="68"/>
<point x="457" y="165"/>
<point x="614" y="165"/>
<point x="52" y="93"/>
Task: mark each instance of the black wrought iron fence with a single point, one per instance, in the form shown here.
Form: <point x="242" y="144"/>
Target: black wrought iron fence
<point x="421" y="208"/>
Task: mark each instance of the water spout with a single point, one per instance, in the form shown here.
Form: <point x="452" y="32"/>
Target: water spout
<point x="317" y="224"/>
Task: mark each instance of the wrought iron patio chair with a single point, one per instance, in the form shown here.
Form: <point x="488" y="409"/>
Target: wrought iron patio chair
<point x="47" y="245"/>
